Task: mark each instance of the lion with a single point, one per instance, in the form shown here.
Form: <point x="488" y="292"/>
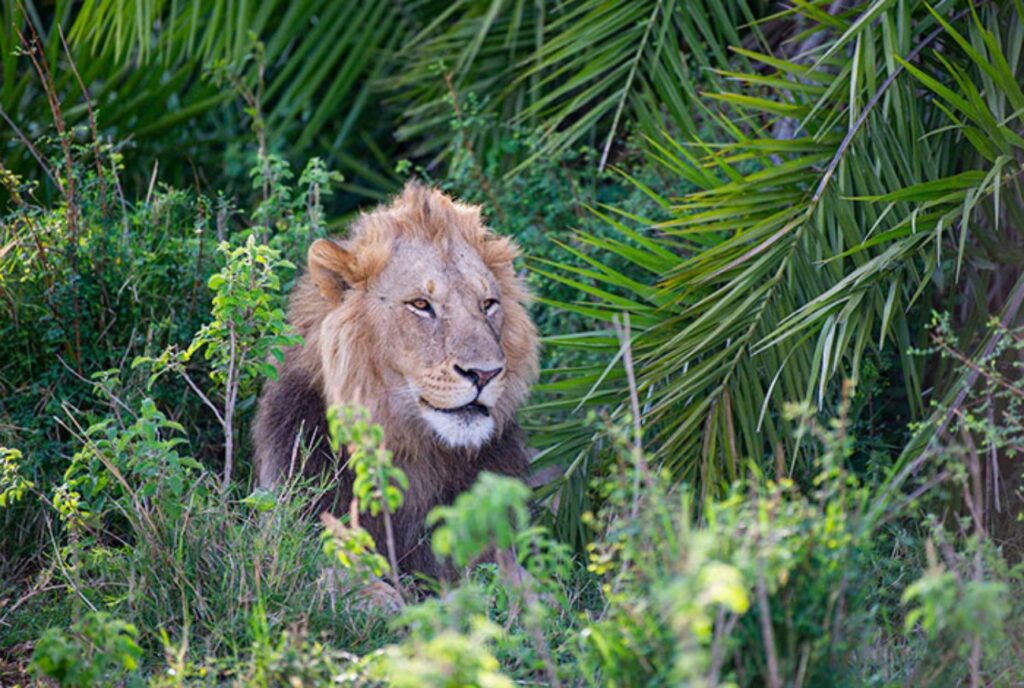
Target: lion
<point x="419" y="316"/>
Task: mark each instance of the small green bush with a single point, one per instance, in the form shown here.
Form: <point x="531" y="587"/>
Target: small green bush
<point x="98" y="650"/>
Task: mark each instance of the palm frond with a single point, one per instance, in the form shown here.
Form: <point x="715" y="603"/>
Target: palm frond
<point x="811" y="254"/>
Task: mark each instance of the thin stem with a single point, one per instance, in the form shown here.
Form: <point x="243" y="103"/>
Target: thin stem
<point x="92" y="118"/>
<point x="229" y="409"/>
<point x="467" y="144"/>
<point x="625" y="89"/>
<point x="517" y="579"/>
<point x="767" y="636"/>
<point x="33" y="150"/>
<point x="205" y="399"/>
<point x="848" y="139"/>
<point x="389" y="536"/>
<point x="643" y="471"/>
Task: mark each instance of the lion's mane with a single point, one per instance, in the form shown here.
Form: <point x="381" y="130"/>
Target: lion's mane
<point x="340" y="362"/>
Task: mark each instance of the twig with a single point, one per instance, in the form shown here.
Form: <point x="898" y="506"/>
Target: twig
<point x="517" y="579"/>
<point x="83" y="436"/>
<point x="32" y="49"/>
<point x="229" y="407"/>
<point x="389" y="531"/>
<point x="70" y="576"/>
<point x="937" y="480"/>
<point x="152" y="181"/>
<point x="643" y="471"/>
<point x="625" y="89"/>
<point x="468" y="145"/>
<point x="767" y="636"/>
<point x="973" y="492"/>
<point x="1013" y="305"/>
<point x="120" y="196"/>
<point x="33" y="150"/>
<point x="205" y="399"/>
<point x="848" y="139"/>
<point x="724" y="625"/>
<point x="93" y="384"/>
<point x="92" y="118"/>
<point x="389" y="536"/>
<point x="42" y="68"/>
<point x="625" y="341"/>
<point x="994" y="376"/>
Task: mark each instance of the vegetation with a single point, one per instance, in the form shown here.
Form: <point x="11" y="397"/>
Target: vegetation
<point x="776" y="250"/>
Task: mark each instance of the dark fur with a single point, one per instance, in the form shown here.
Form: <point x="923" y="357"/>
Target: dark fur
<point x="294" y="406"/>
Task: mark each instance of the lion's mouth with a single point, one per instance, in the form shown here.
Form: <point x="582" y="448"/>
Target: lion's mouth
<point x="473" y="408"/>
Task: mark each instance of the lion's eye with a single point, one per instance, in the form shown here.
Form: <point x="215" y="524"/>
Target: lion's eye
<point x="490" y="305"/>
<point x="420" y="306"/>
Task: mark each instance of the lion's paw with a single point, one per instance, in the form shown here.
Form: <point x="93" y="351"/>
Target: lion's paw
<point x="378" y="596"/>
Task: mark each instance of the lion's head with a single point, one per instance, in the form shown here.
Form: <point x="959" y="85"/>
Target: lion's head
<point x="421" y="318"/>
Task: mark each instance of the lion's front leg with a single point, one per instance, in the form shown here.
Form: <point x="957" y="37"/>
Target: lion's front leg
<point x="512" y="572"/>
<point x="347" y="592"/>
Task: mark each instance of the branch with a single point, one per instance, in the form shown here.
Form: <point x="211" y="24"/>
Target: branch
<point x="205" y="399"/>
<point x="625" y="89"/>
<point x="468" y="145"/>
<point x="848" y="139"/>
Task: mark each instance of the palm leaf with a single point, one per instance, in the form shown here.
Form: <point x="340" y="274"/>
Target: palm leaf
<point x="823" y="251"/>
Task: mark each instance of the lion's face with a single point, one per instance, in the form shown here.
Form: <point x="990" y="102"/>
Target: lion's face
<point x="440" y="318"/>
<point x="451" y="342"/>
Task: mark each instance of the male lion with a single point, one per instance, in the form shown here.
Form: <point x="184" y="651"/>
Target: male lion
<point x="419" y="316"/>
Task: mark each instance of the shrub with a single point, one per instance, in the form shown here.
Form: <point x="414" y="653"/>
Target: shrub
<point x="97" y="650"/>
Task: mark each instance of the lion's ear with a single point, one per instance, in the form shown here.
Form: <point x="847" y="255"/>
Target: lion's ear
<point x="498" y="250"/>
<point x="332" y="269"/>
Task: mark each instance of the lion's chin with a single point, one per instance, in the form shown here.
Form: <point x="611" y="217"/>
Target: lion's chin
<point x="468" y="429"/>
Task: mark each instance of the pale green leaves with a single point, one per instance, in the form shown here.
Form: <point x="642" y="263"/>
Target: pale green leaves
<point x="490" y="514"/>
<point x="13" y="484"/>
<point x="378" y="484"/>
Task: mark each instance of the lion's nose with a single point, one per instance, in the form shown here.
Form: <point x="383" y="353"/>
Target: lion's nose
<point x="478" y="377"/>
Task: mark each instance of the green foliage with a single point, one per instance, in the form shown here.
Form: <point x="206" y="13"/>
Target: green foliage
<point x="487" y="516"/>
<point x="993" y="413"/>
<point x="941" y="605"/>
<point x="13" y="484"/>
<point x="958" y="609"/>
<point x="247" y="329"/>
<point x="447" y="660"/>
<point x="120" y="468"/>
<point x="377" y="490"/>
<point x="834" y="205"/>
<point x="768" y="567"/>
<point x="353" y="547"/>
<point x="84" y="292"/>
<point x="378" y="484"/>
<point x="248" y="325"/>
<point x="96" y="650"/>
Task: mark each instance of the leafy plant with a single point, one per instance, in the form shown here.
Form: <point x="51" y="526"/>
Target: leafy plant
<point x="353" y="547"/>
<point x="121" y="469"/>
<point x="248" y="327"/>
<point x="13" y="484"/>
<point x="449" y="659"/>
<point x="489" y="516"/>
<point x="378" y="486"/>
<point x="97" y="650"/>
